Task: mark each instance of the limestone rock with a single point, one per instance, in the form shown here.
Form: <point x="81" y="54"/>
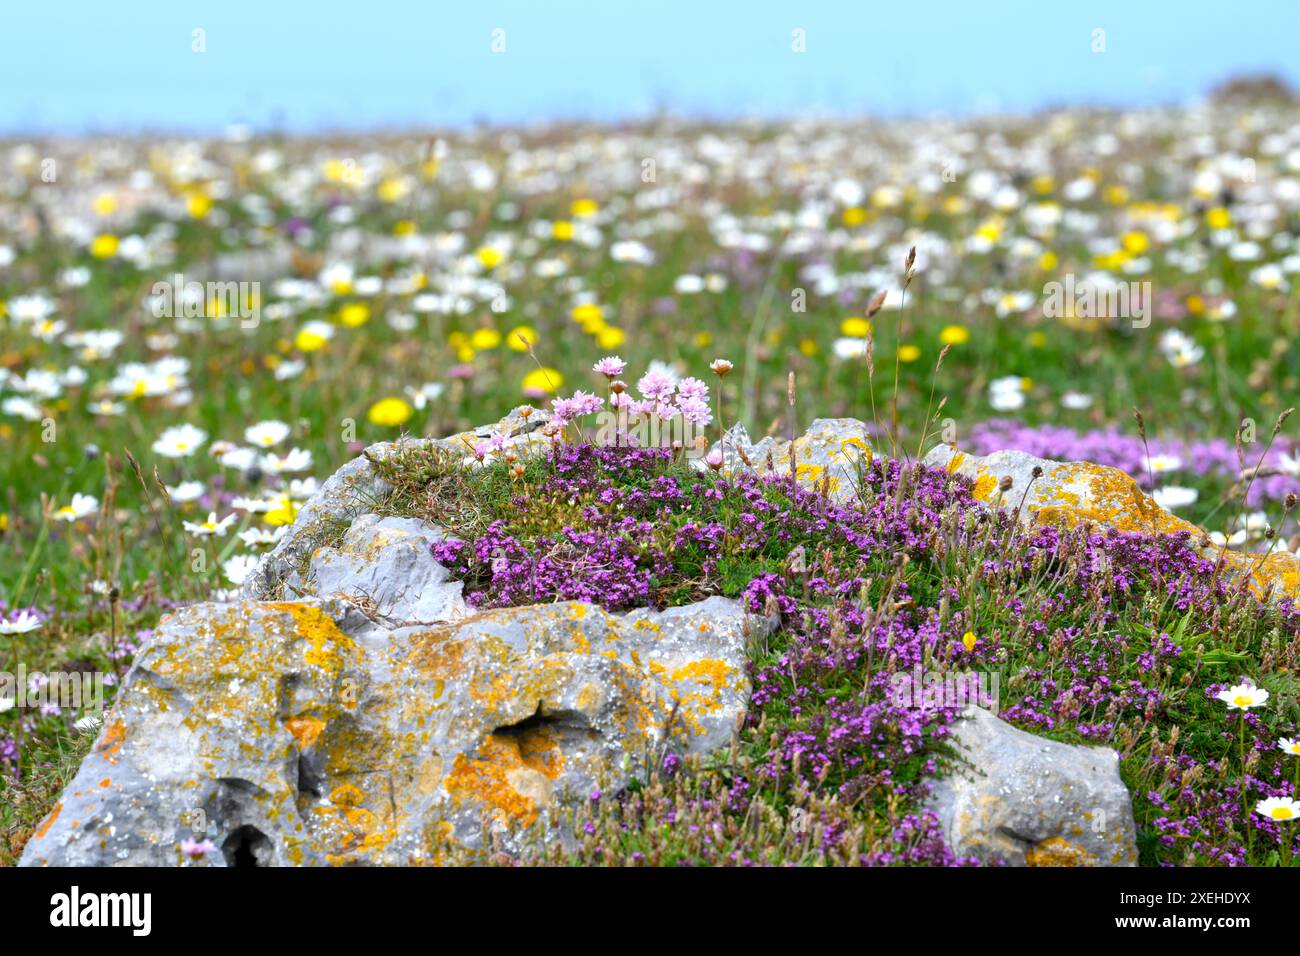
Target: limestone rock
<point x="387" y="566"/>
<point x="299" y="733"/>
<point x="356" y="489"/>
<point x="829" y="454"/>
<point x="1080" y="492"/>
<point x="1030" y="801"/>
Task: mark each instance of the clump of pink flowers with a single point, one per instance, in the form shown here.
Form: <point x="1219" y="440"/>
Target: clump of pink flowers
<point x="662" y="396"/>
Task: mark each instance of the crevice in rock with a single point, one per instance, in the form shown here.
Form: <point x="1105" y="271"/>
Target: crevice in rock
<point x="311" y="781"/>
<point x="247" y="846"/>
<point x="542" y="718"/>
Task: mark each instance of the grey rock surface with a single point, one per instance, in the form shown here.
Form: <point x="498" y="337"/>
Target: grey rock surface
<point x="828" y="455"/>
<point x="356" y="489"/>
<point x="1028" y="801"/>
<point x="386" y="565"/>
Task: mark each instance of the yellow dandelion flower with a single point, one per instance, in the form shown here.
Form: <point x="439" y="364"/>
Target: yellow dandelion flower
<point x="954" y="335"/>
<point x="1116" y="195"/>
<point x="855" y="328"/>
<point x="198" y="204"/>
<point x="104" y="246"/>
<point x="908" y="353"/>
<point x="354" y="314"/>
<point x="610" y="337"/>
<point x="309" y="340"/>
<point x="590" y="312"/>
<point x="1135" y="242"/>
<point x="546" y="380"/>
<point x="391" y="190"/>
<point x="389" y="412"/>
<point x="562" y="230"/>
<point x="484" y="339"/>
<point x="529" y="334"/>
<point x="284" y="512"/>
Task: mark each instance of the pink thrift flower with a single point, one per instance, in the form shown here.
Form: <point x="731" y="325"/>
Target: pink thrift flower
<point x="610" y="367"/>
<point x="656" y="386"/>
<point x="692" y="388"/>
<point x="695" y="410"/>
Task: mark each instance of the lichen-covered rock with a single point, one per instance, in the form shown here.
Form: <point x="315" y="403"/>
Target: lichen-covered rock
<point x="1080" y="492"/>
<point x="301" y="733"/>
<point x="829" y="455"/>
<point x="356" y="489"/>
<point x="1028" y="801"/>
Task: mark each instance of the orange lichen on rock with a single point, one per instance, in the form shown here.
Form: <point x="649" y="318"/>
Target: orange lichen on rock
<point x="510" y="773"/>
<point x="305" y="730"/>
<point x="114" y="734"/>
<point x="437" y="654"/>
<point x="44" y="828"/>
<point x="1056" y="851"/>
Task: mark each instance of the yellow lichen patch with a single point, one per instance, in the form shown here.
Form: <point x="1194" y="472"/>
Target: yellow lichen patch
<point x="1056" y="851"/>
<point x="984" y="486"/>
<point x="305" y="730"/>
<point x="856" y="443"/>
<point x="1116" y="500"/>
<point x="498" y="691"/>
<point x="956" y="462"/>
<point x="709" y="671"/>
<point x="328" y="646"/>
<point x="590" y="698"/>
<point x="806" y="472"/>
<point x="511" y="773"/>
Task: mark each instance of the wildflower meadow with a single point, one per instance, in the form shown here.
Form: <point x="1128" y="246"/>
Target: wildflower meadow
<point x="735" y="460"/>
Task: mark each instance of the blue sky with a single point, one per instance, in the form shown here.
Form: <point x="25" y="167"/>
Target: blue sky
<point x="88" y="65"/>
